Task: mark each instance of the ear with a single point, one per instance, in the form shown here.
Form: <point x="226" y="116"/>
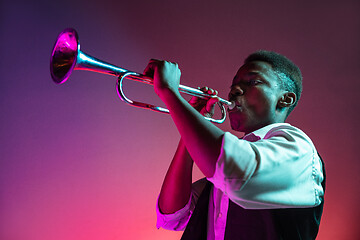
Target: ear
<point x="287" y="100"/>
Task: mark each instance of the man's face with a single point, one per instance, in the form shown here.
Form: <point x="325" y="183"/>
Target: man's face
<point x="255" y="91"/>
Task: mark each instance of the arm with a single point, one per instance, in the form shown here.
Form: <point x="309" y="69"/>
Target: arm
<point x="177" y="185"/>
<point x="176" y="188"/>
<point x="201" y="138"/>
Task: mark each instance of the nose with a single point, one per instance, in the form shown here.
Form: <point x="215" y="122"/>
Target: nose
<point x="235" y="92"/>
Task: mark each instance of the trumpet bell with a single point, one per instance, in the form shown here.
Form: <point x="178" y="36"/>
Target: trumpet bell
<point x="64" y="55"/>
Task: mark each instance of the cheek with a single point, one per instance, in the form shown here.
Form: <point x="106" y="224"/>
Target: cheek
<point x="261" y="103"/>
<point x="258" y="101"/>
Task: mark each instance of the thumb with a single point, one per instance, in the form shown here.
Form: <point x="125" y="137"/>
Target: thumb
<point x="210" y="105"/>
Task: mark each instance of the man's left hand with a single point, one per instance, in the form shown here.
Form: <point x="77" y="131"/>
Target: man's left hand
<point x="166" y="76"/>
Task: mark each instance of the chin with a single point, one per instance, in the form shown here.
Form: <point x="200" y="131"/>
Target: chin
<point x="236" y="126"/>
<point x="236" y="123"/>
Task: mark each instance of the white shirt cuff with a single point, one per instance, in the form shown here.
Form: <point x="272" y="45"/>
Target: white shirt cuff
<point x="176" y="221"/>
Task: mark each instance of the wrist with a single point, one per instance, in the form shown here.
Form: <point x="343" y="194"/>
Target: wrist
<point x="167" y="93"/>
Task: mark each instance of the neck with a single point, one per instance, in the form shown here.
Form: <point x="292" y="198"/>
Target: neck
<point x="250" y="130"/>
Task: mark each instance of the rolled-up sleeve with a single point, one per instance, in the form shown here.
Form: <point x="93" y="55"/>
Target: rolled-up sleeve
<point x="279" y="170"/>
<point x="177" y="221"/>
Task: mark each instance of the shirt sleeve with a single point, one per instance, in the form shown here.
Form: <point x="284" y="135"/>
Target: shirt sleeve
<point x="281" y="170"/>
<point x="177" y="221"/>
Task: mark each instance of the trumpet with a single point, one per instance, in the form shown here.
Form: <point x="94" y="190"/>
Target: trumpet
<point x="66" y="57"/>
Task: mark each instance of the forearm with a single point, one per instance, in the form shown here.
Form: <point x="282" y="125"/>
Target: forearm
<point x="176" y="188"/>
<point x="201" y="138"/>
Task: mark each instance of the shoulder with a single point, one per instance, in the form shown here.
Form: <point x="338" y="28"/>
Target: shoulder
<point x="287" y="141"/>
<point x="289" y="133"/>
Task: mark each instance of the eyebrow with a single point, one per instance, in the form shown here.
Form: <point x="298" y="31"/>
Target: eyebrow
<point x="253" y="73"/>
<point x="249" y="74"/>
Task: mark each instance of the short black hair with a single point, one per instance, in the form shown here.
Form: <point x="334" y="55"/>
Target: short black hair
<point x="288" y="72"/>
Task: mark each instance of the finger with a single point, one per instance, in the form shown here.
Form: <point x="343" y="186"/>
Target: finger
<point x="150" y="68"/>
<point x="212" y="91"/>
<point x="209" y="90"/>
<point x="210" y="105"/>
<point x="207" y="114"/>
<point x="213" y="100"/>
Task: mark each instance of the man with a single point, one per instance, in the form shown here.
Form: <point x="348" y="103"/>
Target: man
<point x="267" y="185"/>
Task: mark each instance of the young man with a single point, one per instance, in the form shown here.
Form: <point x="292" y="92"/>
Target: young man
<point x="267" y="185"/>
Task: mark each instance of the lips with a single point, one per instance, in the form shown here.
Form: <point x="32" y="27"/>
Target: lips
<point x="234" y="108"/>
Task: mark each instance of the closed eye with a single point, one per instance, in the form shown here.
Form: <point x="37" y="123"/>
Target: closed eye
<point x="253" y="82"/>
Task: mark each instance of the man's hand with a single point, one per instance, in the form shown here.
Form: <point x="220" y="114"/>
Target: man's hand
<point x="205" y="106"/>
<point x="166" y="76"/>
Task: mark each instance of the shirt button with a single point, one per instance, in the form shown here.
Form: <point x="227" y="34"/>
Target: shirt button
<point x="220" y="215"/>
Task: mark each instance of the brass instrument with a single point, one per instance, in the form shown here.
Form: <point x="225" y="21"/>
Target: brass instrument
<point x="66" y="57"/>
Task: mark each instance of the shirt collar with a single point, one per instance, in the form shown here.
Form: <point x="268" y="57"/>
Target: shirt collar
<point x="261" y="132"/>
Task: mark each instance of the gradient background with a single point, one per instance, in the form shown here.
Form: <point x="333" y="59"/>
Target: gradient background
<point x="77" y="163"/>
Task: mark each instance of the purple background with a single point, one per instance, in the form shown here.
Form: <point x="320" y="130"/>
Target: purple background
<point x="77" y="163"/>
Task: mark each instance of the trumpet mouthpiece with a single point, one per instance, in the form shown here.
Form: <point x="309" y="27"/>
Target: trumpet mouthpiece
<point x="232" y="106"/>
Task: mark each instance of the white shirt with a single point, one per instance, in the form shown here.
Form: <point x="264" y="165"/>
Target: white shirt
<point x="276" y="166"/>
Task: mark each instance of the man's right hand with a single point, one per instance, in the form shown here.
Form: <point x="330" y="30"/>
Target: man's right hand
<point x="205" y="106"/>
